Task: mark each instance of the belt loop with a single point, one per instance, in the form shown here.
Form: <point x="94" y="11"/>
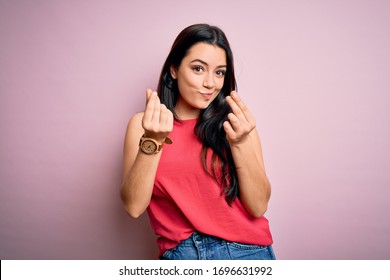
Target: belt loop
<point x="196" y="237"/>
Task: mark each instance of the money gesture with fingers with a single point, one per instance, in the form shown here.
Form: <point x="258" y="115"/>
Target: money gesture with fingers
<point x="240" y="121"/>
<point x="157" y="120"/>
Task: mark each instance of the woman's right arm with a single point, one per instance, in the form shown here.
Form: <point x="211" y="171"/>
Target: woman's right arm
<point x="139" y="169"/>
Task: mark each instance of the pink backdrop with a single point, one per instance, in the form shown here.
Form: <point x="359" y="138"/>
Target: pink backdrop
<point x="314" y="73"/>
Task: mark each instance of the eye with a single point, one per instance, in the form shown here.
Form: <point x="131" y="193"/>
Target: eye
<point x="221" y="73"/>
<point x="197" y="68"/>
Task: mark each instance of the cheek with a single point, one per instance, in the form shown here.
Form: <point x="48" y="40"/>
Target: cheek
<point x="219" y="83"/>
<point x="188" y="81"/>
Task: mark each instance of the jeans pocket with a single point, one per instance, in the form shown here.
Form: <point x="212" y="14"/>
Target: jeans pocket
<point x="166" y="255"/>
<point x="180" y="253"/>
<point x="239" y="251"/>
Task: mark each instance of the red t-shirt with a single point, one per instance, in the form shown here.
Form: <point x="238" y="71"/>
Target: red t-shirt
<point x="186" y="198"/>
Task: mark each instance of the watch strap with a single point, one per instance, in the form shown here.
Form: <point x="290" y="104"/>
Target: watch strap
<point x="158" y="144"/>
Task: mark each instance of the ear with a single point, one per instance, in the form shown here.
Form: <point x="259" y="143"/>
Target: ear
<point x="173" y="72"/>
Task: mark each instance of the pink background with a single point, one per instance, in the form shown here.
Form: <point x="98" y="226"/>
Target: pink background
<point x="314" y="73"/>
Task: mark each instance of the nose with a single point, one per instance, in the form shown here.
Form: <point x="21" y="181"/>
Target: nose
<point x="208" y="81"/>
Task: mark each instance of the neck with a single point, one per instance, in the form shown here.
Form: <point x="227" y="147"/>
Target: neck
<point x="186" y="114"/>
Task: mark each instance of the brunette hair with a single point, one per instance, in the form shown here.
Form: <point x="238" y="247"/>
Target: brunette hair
<point x="209" y="127"/>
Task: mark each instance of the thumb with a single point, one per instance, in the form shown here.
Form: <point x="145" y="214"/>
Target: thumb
<point x="148" y="93"/>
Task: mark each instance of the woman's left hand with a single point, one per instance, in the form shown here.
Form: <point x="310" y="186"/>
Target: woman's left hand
<point x="240" y="122"/>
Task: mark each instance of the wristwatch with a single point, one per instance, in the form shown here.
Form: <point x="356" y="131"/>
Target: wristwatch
<point x="150" y="146"/>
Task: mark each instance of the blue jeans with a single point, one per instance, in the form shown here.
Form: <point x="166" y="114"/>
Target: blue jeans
<point x="204" y="247"/>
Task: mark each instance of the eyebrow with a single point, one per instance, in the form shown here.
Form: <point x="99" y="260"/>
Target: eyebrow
<point x="205" y="63"/>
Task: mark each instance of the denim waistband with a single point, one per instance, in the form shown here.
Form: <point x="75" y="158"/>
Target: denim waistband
<point x="200" y="246"/>
<point x="201" y="239"/>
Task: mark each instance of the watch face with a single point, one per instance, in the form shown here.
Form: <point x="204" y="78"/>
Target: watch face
<point x="149" y="147"/>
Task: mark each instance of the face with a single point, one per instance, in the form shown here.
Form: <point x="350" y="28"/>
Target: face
<point x="200" y="77"/>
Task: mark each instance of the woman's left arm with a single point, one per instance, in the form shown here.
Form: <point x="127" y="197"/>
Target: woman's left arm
<point x="254" y="187"/>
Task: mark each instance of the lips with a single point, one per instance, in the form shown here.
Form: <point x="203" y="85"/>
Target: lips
<point x="206" y="95"/>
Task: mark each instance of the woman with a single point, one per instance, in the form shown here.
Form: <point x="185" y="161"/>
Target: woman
<point x="193" y="158"/>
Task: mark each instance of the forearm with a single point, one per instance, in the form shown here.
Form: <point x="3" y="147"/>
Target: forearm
<point x="137" y="186"/>
<point x="141" y="158"/>
<point x="254" y="187"/>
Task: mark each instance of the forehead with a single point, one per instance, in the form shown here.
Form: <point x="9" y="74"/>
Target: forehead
<point x="211" y="54"/>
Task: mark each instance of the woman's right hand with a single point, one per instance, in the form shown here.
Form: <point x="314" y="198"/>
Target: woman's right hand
<point x="137" y="185"/>
<point x="157" y="120"/>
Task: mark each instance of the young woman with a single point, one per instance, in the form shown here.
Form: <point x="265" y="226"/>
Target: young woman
<point x="193" y="158"/>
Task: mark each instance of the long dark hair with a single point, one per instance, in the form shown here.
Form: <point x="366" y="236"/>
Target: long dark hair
<point x="209" y="127"/>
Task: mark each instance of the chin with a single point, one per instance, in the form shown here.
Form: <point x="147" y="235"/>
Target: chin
<point x="205" y="105"/>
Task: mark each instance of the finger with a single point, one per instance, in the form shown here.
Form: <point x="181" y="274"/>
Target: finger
<point x="228" y="130"/>
<point x="235" y="108"/>
<point x="169" y="120"/>
<point x="234" y="101"/>
<point x="148" y="93"/>
<point x="156" y="109"/>
<point x="244" y="109"/>
<point x="240" y="103"/>
<point x="238" y="100"/>
<point x="164" y="113"/>
<point x="149" y="109"/>
<point x="234" y="122"/>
